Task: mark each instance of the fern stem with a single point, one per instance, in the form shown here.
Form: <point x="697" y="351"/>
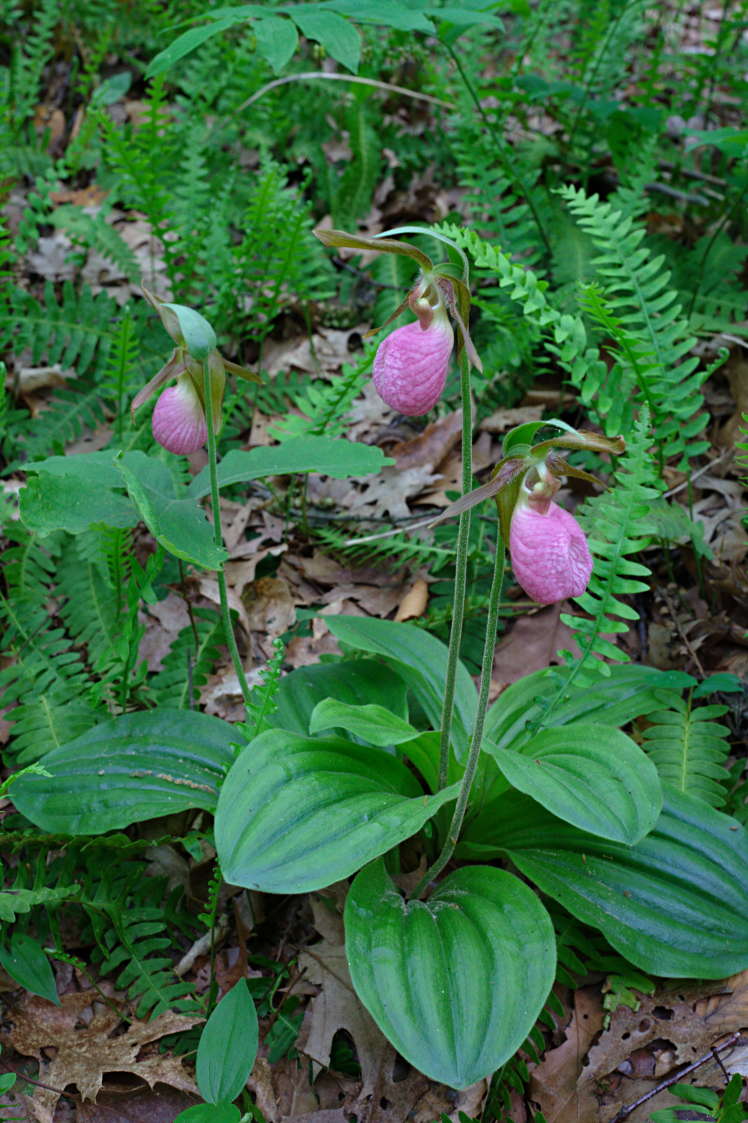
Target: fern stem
<point x="228" y="627"/>
<point x="476" y="740"/>
<point x="501" y="151"/>
<point x="458" y="603"/>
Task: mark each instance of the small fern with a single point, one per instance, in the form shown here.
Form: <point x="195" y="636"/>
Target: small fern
<point x="689" y="748"/>
<point x="73" y="331"/>
<point x="14" y="902"/>
<point x="324" y="406"/>
<point x="191" y="659"/>
<point x="617" y="526"/>
<point x="637" y="293"/>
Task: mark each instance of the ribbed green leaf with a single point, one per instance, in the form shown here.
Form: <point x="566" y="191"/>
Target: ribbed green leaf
<point x="134" y="767"/>
<point x="355" y="681"/>
<point x="628" y="692"/>
<point x="297" y="813"/>
<point x="422" y="660"/>
<point x="455" y="982"/>
<point x="591" y="776"/>
<point x="675" y="904"/>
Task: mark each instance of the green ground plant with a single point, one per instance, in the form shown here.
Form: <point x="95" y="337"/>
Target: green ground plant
<point x="592" y="794"/>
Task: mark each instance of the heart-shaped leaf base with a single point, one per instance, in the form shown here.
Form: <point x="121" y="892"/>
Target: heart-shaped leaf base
<point x="455" y="982"/>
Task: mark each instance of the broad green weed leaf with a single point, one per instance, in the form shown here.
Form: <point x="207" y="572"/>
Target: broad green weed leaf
<point x="228" y="1046"/>
<point x="354" y="681"/>
<point x="374" y="724"/>
<point x="331" y="31"/>
<point x="53" y="502"/>
<point x="277" y="39"/>
<point x="27" y="964"/>
<point x="177" y="523"/>
<point x="186" y="43"/>
<point x="134" y="767"/>
<point x="422" y="660"/>
<point x="628" y="692"/>
<point x="592" y="776"/>
<point x="326" y="455"/>
<point x="298" y="813"/>
<point x="455" y="982"/>
<point x="675" y="904"/>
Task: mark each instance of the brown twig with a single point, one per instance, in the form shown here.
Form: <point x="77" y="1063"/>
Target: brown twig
<point x="665" y="1084"/>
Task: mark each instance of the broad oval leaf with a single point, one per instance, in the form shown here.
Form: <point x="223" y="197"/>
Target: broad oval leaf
<point x="50" y="502"/>
<point x="628" y="692"/>
<point x="375" y="724"/>
<point x="422" y="660"/>
<point x="592" y="776"/>
<point x="298" y="813"/>
<point x="228" y="1046"/>
<point x="455" y="982"/>
<point x="355" y="681"/>
<point x="177" y="522"/>
<point x="675" y="904"/>
<point x="134" y="767"/>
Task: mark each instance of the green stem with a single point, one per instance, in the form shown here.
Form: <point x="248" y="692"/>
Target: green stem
<point x="458" y="604"/>
<point x="228" y="627"/>
<point x="480" y="719"/>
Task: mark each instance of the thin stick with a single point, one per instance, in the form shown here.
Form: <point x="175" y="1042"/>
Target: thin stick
<point x="314" y="74"/>
<point x="711" y="1055"/>
<point x="480" y="718"/>
<point x="228" y="627"/>
<point x="458" y="602"/>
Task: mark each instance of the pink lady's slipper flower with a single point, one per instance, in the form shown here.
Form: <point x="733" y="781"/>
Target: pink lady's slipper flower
<point x="550" y="556"/>
<point x="178" y="421"/>
<point x="410" y="367"/>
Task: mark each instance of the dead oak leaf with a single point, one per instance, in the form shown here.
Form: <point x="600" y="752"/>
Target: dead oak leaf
<point x="81" y="1033"/>
<point x="671" y="1028"/>
<point x="336" y="1006"/>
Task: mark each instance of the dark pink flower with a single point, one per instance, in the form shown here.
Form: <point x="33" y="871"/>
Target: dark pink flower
<point x="410" y="367"/>
<point x="550" y="556"/>
<point x="178" y="421"/>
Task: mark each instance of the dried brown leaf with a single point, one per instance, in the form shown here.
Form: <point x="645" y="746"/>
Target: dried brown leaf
<point x="87" y="1044"/>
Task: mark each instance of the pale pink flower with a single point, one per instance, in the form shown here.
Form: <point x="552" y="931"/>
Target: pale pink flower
<point x="550" y="556"/>
<point x="178" y="421"/>
<point x="410" y="367"/>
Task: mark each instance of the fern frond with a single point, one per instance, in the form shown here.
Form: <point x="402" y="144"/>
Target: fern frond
<point x="689" y="748"/>
<point x="325" y="404"/>
<point x="496" y="208"/>
<point x="637" y="292"/>
<point x="73" y="331"/>
<point x="617" y="525"/>
<point x="30" y="55"/>
<point x="136" y="944"/>
<point x="92" y="231"/>
<point x="190" y="661"/>
<point x="397" y="550"/>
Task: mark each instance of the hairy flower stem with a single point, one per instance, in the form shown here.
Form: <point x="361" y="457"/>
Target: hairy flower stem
<point x="228" y="627"/>
<point x="476" y="740"/>
<point x="458" y="605"/>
